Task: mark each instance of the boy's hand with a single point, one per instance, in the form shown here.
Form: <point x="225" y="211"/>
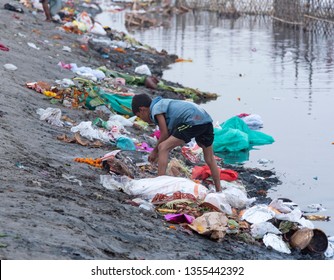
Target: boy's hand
<point x="153" y="157"/>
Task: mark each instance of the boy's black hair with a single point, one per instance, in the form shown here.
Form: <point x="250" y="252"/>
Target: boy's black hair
<point x="140" y="100"/>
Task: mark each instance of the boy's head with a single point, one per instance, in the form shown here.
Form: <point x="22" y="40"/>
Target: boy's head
<point x="141" y="106"/>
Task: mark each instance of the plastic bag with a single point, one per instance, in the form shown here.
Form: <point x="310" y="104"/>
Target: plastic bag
<point x="10" y="67"/>
<point x="260" y="229"/>
<point x="276" y="242"/>
<point x="86" y="130"/>
<point x="220" y="201"/>
<point x="124" y="121"/>
<point x="149" y="187"/>
<point x="293" y="216"/>
<point x="253" y="121"/>
<point x="125" y="143"/>
<point x="114" y="182"/>
<point x="237" y="198"/>
<point x="258" y="214"/>
<point x="51" y="115"/>
<point x="98" y="29"/>
<point x="144" y="70"/>
<point x="234" y="135"/>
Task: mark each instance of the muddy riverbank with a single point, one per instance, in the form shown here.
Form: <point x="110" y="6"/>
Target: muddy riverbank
<point x="55" y="208"/>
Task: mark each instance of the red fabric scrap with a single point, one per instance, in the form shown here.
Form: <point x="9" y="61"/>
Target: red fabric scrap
<point x="203" y="172"/>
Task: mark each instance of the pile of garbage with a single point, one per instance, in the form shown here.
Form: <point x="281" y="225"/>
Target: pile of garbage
<point x="189" y="206"/>
<point x="185" y="197"/>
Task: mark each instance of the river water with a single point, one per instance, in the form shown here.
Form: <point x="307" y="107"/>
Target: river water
<point x="257" y="67"/>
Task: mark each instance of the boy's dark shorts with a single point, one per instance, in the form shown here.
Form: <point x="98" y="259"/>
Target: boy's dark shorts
<point x="203" y="133"/>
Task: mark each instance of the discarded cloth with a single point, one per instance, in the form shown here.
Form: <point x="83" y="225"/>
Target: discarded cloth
<point x="203" y="172"/>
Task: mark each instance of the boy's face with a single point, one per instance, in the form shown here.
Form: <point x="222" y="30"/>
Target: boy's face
<point x="144" y="114"/>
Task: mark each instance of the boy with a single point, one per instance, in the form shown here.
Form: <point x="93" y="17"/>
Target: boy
<point x="179" y="122"/>
<point x="51" y="8"/>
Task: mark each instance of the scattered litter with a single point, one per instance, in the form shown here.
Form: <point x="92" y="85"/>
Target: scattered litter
<point x="13" y="8"/>
<point x="213" y="224"/>
<point x="51" y="115"/>
<point x="67" y="49"/>
<point x="276" y="242"/>
<point x="316" y="206"/>
<point x="261" y="229"/>
<point x="144" y="70"/>
<point x="10" y="67"/>
<point x="72" y="179"/>
<point x="3" y="48"/>
<point x="149" y="187"/>
<point x="258" y="214"/>
<point x="32" y="45"/>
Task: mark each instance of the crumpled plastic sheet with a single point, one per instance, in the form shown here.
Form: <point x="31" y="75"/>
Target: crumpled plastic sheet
<point x="276" y="242"/>
<point x="51" y="115"/>
<point x="87" y="72"/>
<point x="294" y="216"/>
<point x="114" y="182"/>
<point x="147" y="188"/>
<point x="86" y="130"/>
<point x="220" y="201"/>
<point x="279" y="205"/>
<point x="237" y="198"/>
<point x="124" y="121"/>
<point x="260" y="229"/>
<point x="144" y="70"/>
<point x="258" y="214"/>
<point x="253" y="121"/>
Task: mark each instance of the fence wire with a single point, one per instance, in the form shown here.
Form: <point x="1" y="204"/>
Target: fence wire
<point x="310" y="15"/>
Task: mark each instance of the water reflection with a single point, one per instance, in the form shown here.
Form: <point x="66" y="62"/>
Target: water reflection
<point x="257" y="66"/>
<point x="284" y="75"/>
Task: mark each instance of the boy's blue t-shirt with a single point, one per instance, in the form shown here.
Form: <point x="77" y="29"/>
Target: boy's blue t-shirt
<point x="178" y="112"/>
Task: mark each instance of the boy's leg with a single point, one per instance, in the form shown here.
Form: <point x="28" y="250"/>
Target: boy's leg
<point x="211" y="162"/>
<point x="45" y="5"/>
<point x="163" y="151"/>
<point x="55" y="6"/>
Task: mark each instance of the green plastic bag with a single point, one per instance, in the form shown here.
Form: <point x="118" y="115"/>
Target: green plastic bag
<point x="234" y="135"/>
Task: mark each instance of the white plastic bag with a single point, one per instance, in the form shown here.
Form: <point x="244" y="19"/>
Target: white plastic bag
<point x="143" y="69"/>
<point x="10" y="67"/>
<point x="260" y="229"/>
<point x="237" y="198"/>
<point x="219" y="200"/>
<point x="86" y="130"/>
<point x="98" y="29"/>
<point x="51" y="115"/>
<point x="258" y="214"/>
<point x="149" y="187"/>
<point x="276" y="242"/>
<point x="293" y="216"/>
<point x="87" y="72"/>
<point x="124" y="121"/>
<point x="253" y="121"/>
<point x="279" y="205"/>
